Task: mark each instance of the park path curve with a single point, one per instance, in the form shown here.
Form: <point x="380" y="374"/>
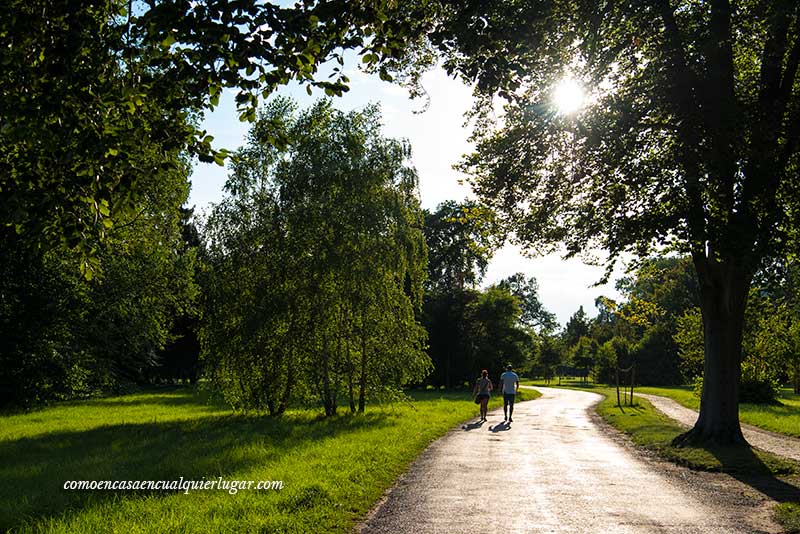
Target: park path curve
<point x="552" y="470"/>
<point x="779" y="444"/>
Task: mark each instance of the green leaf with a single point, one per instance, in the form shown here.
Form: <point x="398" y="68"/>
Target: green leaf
<point x="168" y="41"/>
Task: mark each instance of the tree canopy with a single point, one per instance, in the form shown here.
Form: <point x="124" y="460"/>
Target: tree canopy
<point x="85" y="84"/>
<point x="315" y="264"/>
<point x="689" y="140"/>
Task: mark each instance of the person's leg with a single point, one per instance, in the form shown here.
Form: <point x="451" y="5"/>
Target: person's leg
<point x="505" y="407"/>
<point x="484" y="407"/>
<point x="510" y="407"/>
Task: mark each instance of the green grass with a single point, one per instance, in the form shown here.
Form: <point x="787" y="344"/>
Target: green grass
<point x="651" y="429"/>
<point x="788" y="515"/>
<point x="333" y="469"/>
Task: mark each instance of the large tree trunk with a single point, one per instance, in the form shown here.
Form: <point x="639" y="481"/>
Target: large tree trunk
<point x="723" y="291"/>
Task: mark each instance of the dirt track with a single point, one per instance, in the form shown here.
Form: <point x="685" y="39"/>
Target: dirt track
<point x="757" y="437"/>
<point x="555" y="470"/>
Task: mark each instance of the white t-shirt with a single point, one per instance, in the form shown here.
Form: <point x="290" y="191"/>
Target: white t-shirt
<point x="508" y="382"/>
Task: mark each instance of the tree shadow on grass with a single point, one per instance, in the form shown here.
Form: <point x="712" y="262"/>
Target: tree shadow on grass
<point x="35" y="469"/>
<point x="169" y="399"/>
<point x="743" y="464"/>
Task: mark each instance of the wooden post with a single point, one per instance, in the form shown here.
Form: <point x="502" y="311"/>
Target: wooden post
<point x="618" y="404"/>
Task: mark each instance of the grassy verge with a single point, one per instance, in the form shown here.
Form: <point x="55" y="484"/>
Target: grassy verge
<point x="652" y="430"/>
<point x="788" y="515"/>
<point x="333" y="469"/>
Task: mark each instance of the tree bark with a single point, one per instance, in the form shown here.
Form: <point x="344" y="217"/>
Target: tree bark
<point x="796" y="377"/>
<point x="328" y="401"/>
<point x="362" y="382"/>
<point x="351" y="389"/>
<point x="287" y="387"/>
<point x="723" y="291"/>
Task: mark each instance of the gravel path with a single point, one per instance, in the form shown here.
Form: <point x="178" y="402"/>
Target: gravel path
<point x="554" y="469"/>
<point x="769" y="441"/>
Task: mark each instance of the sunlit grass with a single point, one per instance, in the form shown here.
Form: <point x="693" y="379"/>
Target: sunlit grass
<point x="788" y="515"/>
<point x="333" y="469"/>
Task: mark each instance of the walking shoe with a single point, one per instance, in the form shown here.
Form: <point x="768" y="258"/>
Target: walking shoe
<point x="510" y="420"/>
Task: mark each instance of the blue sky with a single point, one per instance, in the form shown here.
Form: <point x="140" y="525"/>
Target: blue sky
<point x="438" y="139"/>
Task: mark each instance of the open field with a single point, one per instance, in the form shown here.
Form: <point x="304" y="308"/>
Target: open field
<point x="333" y="469"/>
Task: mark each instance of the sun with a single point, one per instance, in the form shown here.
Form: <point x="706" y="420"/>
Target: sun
<point x="568" y="96"/>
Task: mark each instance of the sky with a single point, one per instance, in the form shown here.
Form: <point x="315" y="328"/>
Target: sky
<point x="438" y="139"/>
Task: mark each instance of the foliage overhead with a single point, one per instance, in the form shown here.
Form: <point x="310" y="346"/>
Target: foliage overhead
<point x="83" y="84"/>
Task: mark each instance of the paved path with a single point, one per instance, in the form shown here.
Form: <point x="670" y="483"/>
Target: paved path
<point x="769" y="441"/>
<point x="552" y="470"/>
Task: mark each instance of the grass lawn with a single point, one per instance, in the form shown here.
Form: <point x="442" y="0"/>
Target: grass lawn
<point x="333" y="469"/>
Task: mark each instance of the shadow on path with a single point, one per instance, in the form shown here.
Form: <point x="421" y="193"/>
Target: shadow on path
<point x="472" y="426"/>
<point x="745" y="466"/>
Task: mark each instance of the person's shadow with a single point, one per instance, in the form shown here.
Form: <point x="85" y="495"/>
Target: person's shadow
<point x="500" y="427"/>
<point x="472" y="426"/>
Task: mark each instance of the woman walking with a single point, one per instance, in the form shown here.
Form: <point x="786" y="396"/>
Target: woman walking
<point x="482" y="392"/>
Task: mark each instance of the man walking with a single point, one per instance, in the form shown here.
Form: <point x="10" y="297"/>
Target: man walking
<point x="509" y="385"/>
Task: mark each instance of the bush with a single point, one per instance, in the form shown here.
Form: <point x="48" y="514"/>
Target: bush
<point x="764" y="391"/>
<point x="751" y="391"/>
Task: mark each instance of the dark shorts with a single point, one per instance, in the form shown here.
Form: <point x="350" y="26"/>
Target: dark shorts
<point x="483" y="396"/>
<point x="508" y="398"/>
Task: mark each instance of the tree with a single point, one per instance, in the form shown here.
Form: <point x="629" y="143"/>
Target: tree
<point x="659" y="291"/>
<point x="767" y="347"/>
<point x="534" y="314"/>
<point x="576" y="328"/>
<point x="493" y="332"/>
<point x="84" y="83"/>
<point x="550" y="356"/>
<point x="461" y="239"/>
<point x="583" y="354"/>
<point x="316" y="264"/>
<point x="66" y="336"/>
<point x="690" y="141"/>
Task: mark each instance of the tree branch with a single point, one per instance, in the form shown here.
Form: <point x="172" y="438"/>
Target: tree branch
<point x="685" y="101"/>
<point x="720" y="104"/>
<point x="788" y="78"/>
